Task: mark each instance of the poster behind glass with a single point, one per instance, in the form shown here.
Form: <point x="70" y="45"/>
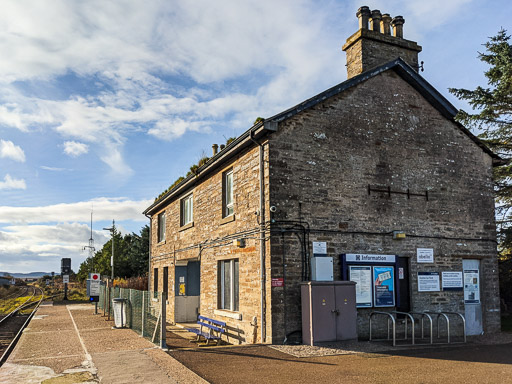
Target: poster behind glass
<point x="362" y="276"/>
<point x="384" y="286"/>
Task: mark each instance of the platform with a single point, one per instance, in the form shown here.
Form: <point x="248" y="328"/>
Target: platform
<point x="70" y="344"/>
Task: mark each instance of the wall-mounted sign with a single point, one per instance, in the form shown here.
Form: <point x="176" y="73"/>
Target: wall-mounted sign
<point x="384" y="286"/>
<point x="361" y="258"/>
<point x="362" y="275"/>
<point x="471" y="286"/>
<point x="319" y="248"/>
<point x="428" y="282"/>
<point x="425" y="255"/>
<point x="452" y="281"/>
<point x="277" y="282"/>
<point x="401" y="273"/>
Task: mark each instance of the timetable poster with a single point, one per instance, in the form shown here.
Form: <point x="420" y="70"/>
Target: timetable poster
<point x="362" y="276"/>
<point x="384" y="286"/>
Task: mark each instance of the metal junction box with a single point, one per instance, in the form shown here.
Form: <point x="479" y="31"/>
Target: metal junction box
<point x="322" y="268"/>
<point x="328" y="311"/>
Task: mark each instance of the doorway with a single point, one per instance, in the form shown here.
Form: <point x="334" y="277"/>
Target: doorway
<point x="472" y="303"/>
<point x="187" y="291"/>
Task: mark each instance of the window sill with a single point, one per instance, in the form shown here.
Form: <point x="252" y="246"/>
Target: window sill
<point x="160" y="243"/>
<point x="186" y="226"/>
<point x="231" y="315"/>
<point x="227" y="219"/>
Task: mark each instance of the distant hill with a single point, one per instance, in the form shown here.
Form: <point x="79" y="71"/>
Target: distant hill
<point x="34" y="275"/>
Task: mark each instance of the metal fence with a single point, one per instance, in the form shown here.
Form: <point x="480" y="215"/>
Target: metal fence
<point x="144" y="310"/>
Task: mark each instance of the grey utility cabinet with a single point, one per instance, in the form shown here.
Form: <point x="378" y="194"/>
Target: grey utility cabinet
<point x="328" y="311"/>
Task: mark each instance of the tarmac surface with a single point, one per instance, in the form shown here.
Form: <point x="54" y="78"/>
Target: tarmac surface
<point x="69" y="344"/>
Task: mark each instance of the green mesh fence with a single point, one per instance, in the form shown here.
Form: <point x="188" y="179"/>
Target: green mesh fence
<point x="142" y="309"/>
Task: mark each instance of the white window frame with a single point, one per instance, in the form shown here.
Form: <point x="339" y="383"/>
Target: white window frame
<point x="187" y="209"/>
<point x="233" y="304"/>
<point x="161" y="227"/>
<point x="227" y="194"/>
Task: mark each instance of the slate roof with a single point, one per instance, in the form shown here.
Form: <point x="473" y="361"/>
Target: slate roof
<point x="270" y="125"/>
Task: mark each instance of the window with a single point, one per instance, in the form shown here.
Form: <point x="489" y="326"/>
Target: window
<point x="227" y="193"/>
<point x="166" y="281"/>
<point x="161" y="227"/>
<point x="187" y="210"/>
<point x="228" y="284"/>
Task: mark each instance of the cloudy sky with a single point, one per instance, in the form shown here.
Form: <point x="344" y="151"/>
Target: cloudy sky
<point x="104" y="104"/>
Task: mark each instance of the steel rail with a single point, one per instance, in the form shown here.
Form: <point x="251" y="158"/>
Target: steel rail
<point x="12" y="344"/>
<point x="20" y="306"/>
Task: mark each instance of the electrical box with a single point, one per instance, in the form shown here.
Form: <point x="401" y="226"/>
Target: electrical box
<point x="328" y="311"/>
<point x="322" y="269"/>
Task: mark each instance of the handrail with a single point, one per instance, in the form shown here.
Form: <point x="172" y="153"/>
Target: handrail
<point x="412" y="324"/>
<point x="423" y="314"/>
<point x="392" y="320"/>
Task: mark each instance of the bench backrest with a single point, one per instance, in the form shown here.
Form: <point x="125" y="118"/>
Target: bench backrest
<point x="213" y="321"/>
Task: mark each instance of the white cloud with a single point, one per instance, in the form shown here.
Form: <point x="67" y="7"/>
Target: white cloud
<point x="10" y="183"/>
<point x="104" y="209"/>
<point x="11" y="151"/>
<point x="53" y="169"/>
<point x="75" y="149"/>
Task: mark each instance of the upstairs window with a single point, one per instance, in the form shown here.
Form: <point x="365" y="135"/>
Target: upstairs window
<point x="187" y="210"/>
<point x="161" y="227"/>
<point x="227" y="193"/>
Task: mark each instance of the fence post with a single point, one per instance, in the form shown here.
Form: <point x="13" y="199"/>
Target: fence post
<point x="143" y="312"/>
<point x="163" y="323"/>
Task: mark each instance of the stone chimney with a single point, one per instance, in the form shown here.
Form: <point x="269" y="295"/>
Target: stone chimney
<point x="215" y="149"/>
<point x="374" y="44"/>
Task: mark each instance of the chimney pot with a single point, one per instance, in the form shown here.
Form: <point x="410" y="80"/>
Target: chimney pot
<point x="222" y="146"/>
<point x="398" y="26"/>
<point x="215" y="149"/>
<point x="375" y="20"/>
<point x="385" y="24"/>
<point x="363" y="14"/>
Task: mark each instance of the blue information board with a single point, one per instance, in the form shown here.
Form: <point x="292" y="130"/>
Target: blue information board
<point x="384" y="286"/>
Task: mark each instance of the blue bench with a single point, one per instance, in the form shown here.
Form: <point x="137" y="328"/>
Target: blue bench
<point x="210" y="329"/>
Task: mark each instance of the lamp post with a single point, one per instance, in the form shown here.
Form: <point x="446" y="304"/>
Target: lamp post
<point x="112" y="229"/>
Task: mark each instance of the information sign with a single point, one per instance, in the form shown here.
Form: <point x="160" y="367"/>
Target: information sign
<point x="94" y="288"/>
<point x="471" y="286"/>
<point x="452" y="281"/>
<point x="425" y="255"/>
<point x="65" y="279"/>
<point x="319" y="248"/>
<point x="384" y="286"/>
<point x="362" y="275"/>
<point x="277" y="282"/>
<point x="428" y="282"/>
<point x="363" y="258"/>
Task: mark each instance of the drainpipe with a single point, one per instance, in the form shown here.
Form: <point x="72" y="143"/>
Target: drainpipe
<point x="149" y="253"/>
<point x="262" y="239"/>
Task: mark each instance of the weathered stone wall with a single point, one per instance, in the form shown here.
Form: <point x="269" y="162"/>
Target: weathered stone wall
<point x="385" y="134"/>
<point x="210" y="230"/>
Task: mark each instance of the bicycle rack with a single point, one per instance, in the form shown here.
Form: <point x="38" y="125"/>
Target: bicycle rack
<point x="407" y="315"/>
<point x="423" y="315"/>
<point x="390" y="317"/>
<point x="445" y="315"/>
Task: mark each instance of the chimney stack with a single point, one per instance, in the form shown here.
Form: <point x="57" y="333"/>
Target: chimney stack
<point x="215" y="149"/>
<point x="373" y="45"/>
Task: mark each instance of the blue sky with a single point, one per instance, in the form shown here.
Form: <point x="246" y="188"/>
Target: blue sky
<point x="104" y="104"/>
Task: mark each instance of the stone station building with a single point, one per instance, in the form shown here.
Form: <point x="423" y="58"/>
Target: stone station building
<point x="373" y="172"/>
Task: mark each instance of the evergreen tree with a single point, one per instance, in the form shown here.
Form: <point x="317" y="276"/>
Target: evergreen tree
<point x="493" y="117"/>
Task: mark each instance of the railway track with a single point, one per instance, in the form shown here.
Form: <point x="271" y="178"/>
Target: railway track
<point x="14" y="322"/>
